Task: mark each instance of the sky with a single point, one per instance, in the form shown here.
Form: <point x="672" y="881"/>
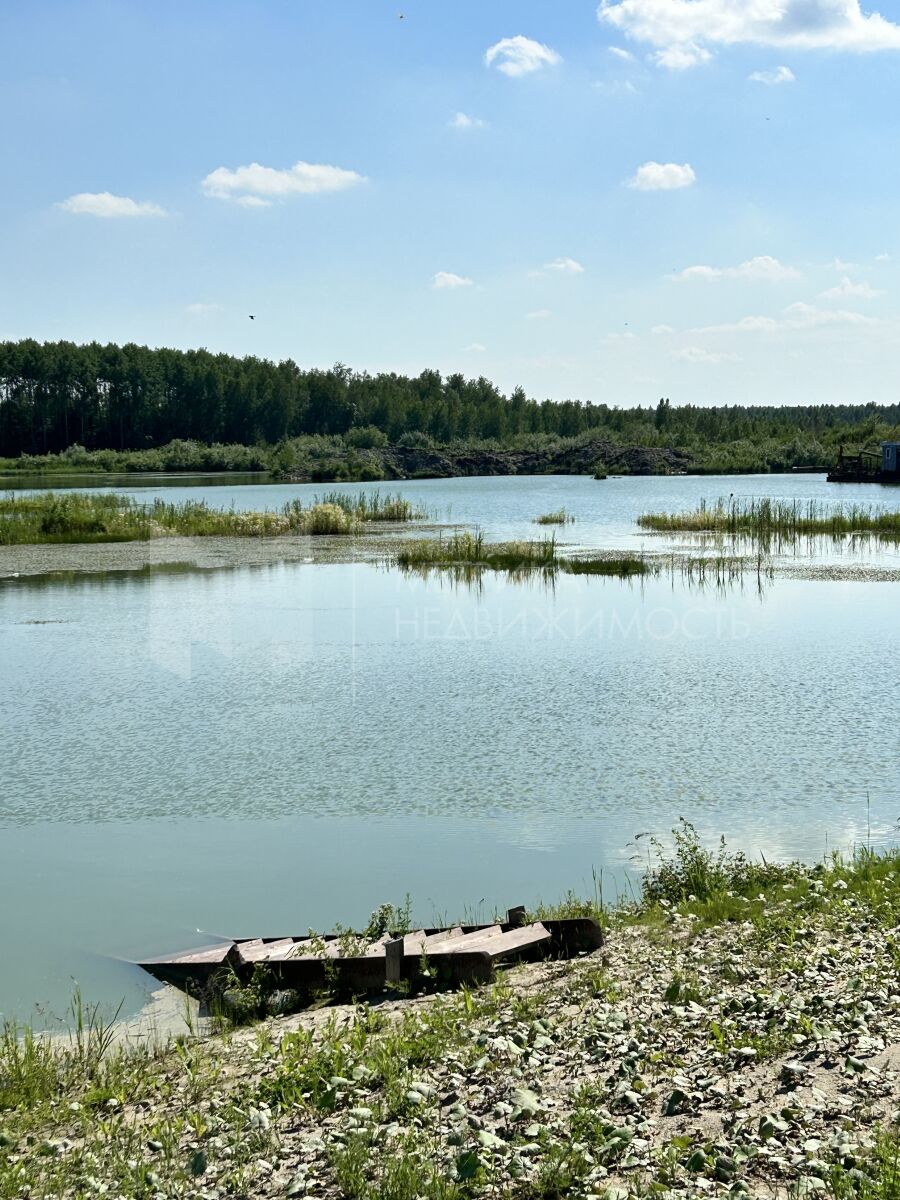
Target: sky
<point x="697" y="199"/>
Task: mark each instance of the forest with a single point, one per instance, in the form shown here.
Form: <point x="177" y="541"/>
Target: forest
<point x="95" y="402"/>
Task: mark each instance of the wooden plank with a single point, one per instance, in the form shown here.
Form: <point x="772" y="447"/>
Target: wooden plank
<point x="393" y="960"/>
<point x="471" y="941"/>
<point x="497" y="945"/>
<point x="268" y="951"/>
<point x="438" y="939"/>
<point x="413" y="943"/>
<point x="211" y="954"/>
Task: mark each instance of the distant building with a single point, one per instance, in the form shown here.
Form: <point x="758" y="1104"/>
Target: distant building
<point x="890" y="458"/>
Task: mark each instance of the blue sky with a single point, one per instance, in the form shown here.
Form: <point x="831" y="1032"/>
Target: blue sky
<point x="691" y="198"/>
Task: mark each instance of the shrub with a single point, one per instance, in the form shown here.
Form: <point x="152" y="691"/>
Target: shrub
<point x="414" y="439"/>
<point x="366" y="437"/>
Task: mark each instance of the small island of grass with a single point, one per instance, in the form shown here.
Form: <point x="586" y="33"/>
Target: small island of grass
<point x="71" y="517"/>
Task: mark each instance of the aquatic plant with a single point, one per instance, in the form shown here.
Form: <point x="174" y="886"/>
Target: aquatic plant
<point x="372" y="506"/>
<point x="465" y="548"/>
<point x="620" y="567"/>
<point x="560" y="517"/>
<point x="107" y="517"/>
<point x="786" y="519"/>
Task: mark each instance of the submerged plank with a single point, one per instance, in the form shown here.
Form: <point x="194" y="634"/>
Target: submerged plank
<point x="207" y="954"/>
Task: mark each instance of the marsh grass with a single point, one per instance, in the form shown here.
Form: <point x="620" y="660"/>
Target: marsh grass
<point x="471" y="549"/>
<point x="373" y="506"/>
<point x="768" y="519"/>
<point x="619" y="568"/>
<point x="560" y="517"/>
<point x="466" y="555"/>
<point x="106" y="517"/>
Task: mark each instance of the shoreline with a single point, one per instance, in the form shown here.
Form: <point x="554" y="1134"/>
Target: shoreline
<point x="742" y="1040"/>
<point x="74" y="561"/>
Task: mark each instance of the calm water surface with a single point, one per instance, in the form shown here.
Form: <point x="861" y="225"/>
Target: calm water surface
<point x="268" y="749"/>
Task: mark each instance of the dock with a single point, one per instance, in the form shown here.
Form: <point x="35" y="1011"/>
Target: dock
<point x="445" y="957"/>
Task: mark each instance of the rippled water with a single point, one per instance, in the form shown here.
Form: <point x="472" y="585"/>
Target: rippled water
<point x="271" y="748"/>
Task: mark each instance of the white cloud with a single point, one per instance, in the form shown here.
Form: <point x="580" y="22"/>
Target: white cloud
<point x="615" y="86"/>
<point x="859" y="291"/>
<point x="696" y="354"/>
<point x="773" y="78"/>
<point x="446" y="279"/>
<point x="105" y="204"/>
<point x="662" y="177"/>
<point x="613" y="338"/>
<point x="622" y="53"/>
<point x="681" y="57"/>
<point x="662" y="329"/>
<point x="462" y="120"/>
<point x="539" y="314"/>
<point x="882" y="258"/>
<point x="255" y="186"/>
<point x="516" y="56"/>
<point x="474" y="348"/>
<point x="838" y="264"/>
<point x="794" y="318"/>
<point x="202" y="310"/>
<point x="801" y="24"/>
<point x="763" y="268"/>
<point x="565" y="266"/>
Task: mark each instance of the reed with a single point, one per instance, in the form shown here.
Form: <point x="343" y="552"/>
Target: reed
<point x="471" y="549"/>
<point x="782" y="519"/>
<point x="560" y="517"/>
<point x="104" y="517"/>
<point x="373" y="506"/>
<point x="618" y="568"/>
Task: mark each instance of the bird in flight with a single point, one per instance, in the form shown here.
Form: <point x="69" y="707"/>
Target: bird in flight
<point x="252" y="316"/>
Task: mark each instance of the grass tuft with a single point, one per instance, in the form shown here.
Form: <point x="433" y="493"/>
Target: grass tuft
<point x="771" y="519"/>
<point x="560" y="517"/>
<point x="106" y="517"/>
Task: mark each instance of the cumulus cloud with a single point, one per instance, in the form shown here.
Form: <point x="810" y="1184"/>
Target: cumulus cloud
<point x="474" y="348"/>
<point x="763" y="268"/>
<point x="847" y="287"/>
<point x="795" y="317"/>
<point x="662" y="177"/>
<point x="565" y="266"/>
<point x="689" y="25"/>
<point x="446" y="279"/>
<point x="661" y="330"/>
<point x="681" y="57"/>
<point x="621" y="53"/>
<point x="256" y="186"/>
<point x="462" y="120"/>
<point x="696" y="354"/>
<point x="516" y="56"/>
<point x="105" y="204"/>
<point x="773" y="78"/>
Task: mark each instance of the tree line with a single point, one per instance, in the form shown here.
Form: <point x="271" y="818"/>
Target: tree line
<point x="54" y="395"/>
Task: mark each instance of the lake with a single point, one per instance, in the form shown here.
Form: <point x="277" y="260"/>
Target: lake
<point x="270" y="748"/>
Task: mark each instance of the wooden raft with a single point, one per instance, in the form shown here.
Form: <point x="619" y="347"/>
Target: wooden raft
<point x="449" y="956"/>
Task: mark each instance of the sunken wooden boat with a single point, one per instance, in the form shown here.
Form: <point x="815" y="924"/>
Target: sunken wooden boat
<point x="443" y="957"/>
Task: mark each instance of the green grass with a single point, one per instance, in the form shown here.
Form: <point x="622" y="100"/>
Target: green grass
<point x="106" y="517"/>
<point x="373" y="506"/>
<point x="619" y="568"/>
<point x="471" y="549"/>
<point x="560" y="517"/>
<point x="784" y="519"/>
